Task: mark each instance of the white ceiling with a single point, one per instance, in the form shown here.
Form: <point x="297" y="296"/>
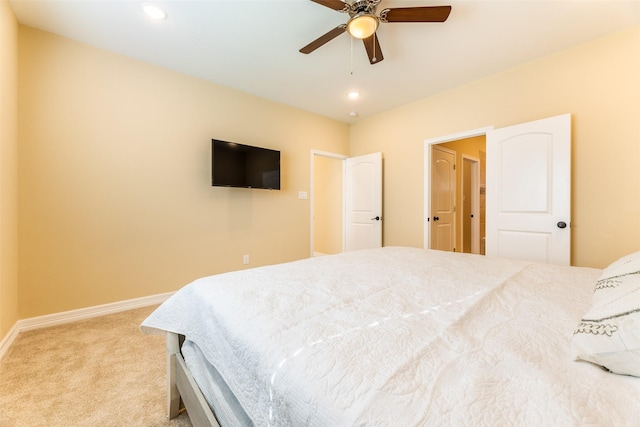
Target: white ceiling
<point x="252" y="45"/>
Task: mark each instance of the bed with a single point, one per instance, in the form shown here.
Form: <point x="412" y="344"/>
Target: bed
<point x="406" y="337"/>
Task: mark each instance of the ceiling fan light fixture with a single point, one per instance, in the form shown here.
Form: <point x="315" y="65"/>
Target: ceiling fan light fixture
<point x="362" y="25"/>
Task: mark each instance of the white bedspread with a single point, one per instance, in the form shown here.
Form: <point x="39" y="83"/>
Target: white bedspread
<point x="402" y="337"/>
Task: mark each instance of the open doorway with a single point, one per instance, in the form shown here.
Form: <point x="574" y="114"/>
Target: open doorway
<point x="326" y="203"/>
<point x="470" y="172"/>
<point x="345" y="202"/>
<point x="527" y="210"/>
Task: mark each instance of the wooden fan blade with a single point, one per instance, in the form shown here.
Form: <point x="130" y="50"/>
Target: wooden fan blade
<point x="333" y="4"/>
<point x="416" y="14"/>
<point x="372" y="46"/>
<point x="324" y="39"/>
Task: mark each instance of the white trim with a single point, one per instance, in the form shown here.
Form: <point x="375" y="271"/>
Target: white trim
<point x="89" y="312"/>
<point x="459" y="135"/>
<point x="75" y="315"/>
<point x="8" y="340"/>
<point x="426" y="242"/>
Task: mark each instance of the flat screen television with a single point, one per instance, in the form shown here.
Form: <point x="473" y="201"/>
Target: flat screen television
<point x="244" y="166"/>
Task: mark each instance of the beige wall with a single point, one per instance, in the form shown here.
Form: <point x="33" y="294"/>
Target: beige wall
<point x="114" y="169"/>
<point x="115" y="201"/>
<point x="597" y="82"/>
<point x="8" y="169"/>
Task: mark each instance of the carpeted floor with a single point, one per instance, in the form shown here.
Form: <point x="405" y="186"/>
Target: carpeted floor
<point x="99" y="372"/>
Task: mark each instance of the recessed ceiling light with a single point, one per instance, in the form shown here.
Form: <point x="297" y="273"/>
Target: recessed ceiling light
<point x="353" y="95"/>
<point x="153" y="11"/>
<point x="353" y="114"/>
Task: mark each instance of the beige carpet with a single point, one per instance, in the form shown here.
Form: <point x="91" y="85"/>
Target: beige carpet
<point x="97" y="372"/>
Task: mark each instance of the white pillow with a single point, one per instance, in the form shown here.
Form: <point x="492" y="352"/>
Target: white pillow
<point x="609" y="333"/>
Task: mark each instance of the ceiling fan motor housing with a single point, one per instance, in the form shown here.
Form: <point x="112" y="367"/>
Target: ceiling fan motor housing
<point x="364" y="6"/>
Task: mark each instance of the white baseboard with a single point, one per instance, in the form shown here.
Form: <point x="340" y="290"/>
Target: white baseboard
<point x="75" y="315"/>
<point x="8" y="340"/>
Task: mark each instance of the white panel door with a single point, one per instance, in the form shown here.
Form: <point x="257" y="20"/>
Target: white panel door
<point x="529" y="191"/>
<point x="443" y="198"/>
<point x="363" y="202"/>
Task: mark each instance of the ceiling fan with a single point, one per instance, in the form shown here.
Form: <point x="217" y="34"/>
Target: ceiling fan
<point x="363" y="22"/>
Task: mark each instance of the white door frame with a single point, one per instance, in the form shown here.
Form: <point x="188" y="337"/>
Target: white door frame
<point x="475" y="196"/>
<point x="427" y="172"/>
<point x="312" y="195"/>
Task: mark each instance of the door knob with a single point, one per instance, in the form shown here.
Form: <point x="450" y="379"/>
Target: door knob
<point x="376" y="218"/>
<point x="562" y="224"/>
<point x="435" y="218"/>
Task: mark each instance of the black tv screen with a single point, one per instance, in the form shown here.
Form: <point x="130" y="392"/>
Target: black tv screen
<point x="238" y="165"/>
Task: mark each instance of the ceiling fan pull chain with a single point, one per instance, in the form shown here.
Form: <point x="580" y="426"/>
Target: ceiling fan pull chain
<point x="351" y="59"/>
<point x="374" y="47"/>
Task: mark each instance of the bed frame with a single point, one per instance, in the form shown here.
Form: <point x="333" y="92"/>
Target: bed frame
<point x="182" y="390"/>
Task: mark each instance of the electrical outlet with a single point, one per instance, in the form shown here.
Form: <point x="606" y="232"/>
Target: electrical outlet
<point x="245" y="259"/>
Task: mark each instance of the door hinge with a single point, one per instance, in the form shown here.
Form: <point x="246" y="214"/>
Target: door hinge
<point x="454" y="166"/>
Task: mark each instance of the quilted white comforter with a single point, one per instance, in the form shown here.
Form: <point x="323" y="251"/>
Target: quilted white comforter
<point x="402" y="337"/>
